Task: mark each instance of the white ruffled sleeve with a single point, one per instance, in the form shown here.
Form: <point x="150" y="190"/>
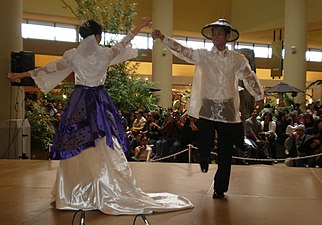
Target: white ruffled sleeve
<point x="50" y="75"/>
<point x="123" y="50"/>
<point x="124" y="54"/>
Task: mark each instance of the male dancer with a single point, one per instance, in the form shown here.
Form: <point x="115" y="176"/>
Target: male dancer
<point x="214" y="96"/>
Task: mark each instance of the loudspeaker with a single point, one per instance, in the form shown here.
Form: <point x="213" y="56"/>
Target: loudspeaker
<point x="23" y="61"/>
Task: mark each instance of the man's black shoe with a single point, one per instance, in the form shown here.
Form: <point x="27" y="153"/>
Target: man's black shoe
<point x="244" y="162"/>
<point x="218" y="195"/>
<point x="204" y="166"/>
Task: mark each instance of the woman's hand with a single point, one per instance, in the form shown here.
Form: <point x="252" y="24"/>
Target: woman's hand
<point x="157" y="34"/>
<point x="16" y="77"/>
<point x="145" y="22"/>
<point x="13" y="77"/>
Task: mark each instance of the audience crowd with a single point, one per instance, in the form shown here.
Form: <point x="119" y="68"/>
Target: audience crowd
<point x="270" y="134"/>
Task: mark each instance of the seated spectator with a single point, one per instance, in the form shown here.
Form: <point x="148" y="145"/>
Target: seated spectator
<point x="153" y="128"/>
<point x="130" y="120"/>
<point x="294" y="118"/>
<point x="172" y="134"/>
<point x="317" y="129"/>
<point x="51" y="110"/>
<point x="189" y="136"/>
<point x="135" y="139"/>
<point x="149" y="120"/>
<point x="255" y="135"/>
<point x="143" y="151"/>
<point x="308" y="122"/>
<point x="305" y="145"/>
<point x="293" y="121"/>
<point x="290" y="147"/>
<point x="161" y="144"/>
<point x="269" y="128"/>
<point x="60" y="108"/>
<point x="318" y="114"/>
<point x="123" y="119"/>
<point x="139" y="122"/>
<point x="281" y="124"/>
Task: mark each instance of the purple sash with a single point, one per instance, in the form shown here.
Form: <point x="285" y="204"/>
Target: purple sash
<point x="90" y="114"/>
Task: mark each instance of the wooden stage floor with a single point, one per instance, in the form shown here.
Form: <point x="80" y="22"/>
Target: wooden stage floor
<point x="258" y="195"/>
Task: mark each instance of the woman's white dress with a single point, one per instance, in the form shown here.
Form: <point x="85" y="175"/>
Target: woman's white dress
<point x="94" y="173"/>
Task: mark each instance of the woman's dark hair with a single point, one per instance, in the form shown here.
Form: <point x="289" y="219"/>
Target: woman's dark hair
<point x="90" y="27"/>
<point x="269" y="114"/>
<point x="280" y="115"/>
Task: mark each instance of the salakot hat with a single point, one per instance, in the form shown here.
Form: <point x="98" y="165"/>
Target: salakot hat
<point x="206" y="31"/>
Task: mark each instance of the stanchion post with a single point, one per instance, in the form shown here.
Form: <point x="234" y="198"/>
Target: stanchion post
<point x="189" y="153"/>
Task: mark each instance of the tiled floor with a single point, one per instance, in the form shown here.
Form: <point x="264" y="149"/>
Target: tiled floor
<point x="258" y="195"/>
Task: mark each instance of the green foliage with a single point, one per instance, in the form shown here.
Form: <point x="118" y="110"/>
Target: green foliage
<point x="42" y="125"/>
<point x="61" y="94"/>
<point x="129" y="92"/>
<point x="113" y="15"/>
<point x="42" y="130"/>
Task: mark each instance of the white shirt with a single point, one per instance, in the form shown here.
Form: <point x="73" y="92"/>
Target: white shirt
<point x="214" y="94"/>
<point x="271" y="128"/>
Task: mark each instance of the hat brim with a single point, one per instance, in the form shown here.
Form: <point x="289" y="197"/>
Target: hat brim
<point x="207" y="32"/>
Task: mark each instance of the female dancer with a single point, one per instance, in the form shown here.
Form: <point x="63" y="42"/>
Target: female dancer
<point x="90" y="140"/>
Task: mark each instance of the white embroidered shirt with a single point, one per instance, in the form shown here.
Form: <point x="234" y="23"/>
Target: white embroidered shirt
<point x="214" y="94"/>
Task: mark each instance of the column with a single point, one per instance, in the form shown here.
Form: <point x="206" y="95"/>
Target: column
<point x="11" y="98"/>
<point x="162" y="18"/>
<point x="295" y="46"/>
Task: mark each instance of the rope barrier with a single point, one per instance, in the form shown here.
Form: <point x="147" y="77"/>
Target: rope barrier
<point x="190" y="147"/>
<point x="169" y="156"/>
<point x="294" y="158"/>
